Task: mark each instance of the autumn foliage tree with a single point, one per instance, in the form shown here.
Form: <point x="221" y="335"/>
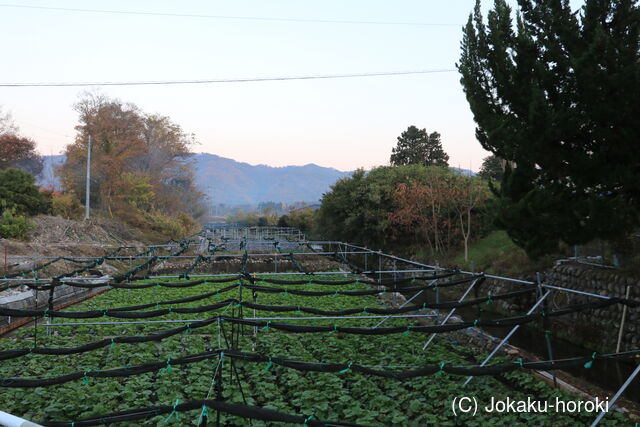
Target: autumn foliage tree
<point x="439" y="210"/>
<point x="17" y="151"/>
<point x="140" y="162"/>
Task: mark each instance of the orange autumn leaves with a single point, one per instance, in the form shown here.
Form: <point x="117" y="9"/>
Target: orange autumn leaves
<point x="440" y="211"/>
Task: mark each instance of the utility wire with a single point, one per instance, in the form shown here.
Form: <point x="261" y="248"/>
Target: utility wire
<point x="232" y="80"/>
<point x="227" y="17"/>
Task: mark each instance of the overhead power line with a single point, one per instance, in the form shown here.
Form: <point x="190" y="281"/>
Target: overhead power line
<point x="232" y="80"/>
<point x="223" y="17"/>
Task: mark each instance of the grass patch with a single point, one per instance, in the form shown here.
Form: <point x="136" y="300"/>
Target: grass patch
<point x="496" y="253"/>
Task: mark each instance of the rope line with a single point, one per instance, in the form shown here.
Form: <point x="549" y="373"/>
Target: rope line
<point x="300" y="365"/>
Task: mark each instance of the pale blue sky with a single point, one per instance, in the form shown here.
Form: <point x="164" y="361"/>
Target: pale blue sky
<point x="346" y="124"/>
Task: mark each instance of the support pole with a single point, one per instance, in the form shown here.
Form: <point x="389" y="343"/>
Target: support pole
<point x="446" y="319"/>
<point x="87" y="203"/>
<point x="9" y="420"/>
<point x="624" y="317"/>
<point x="511" y="332"/>
<point x="617" y="395"/>
<point x="405" y="303"/>
<point x="546" y="327"/>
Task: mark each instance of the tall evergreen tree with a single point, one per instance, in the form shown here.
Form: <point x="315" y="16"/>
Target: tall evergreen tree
<point x="417" y="147"/>
<point x="557" y="97"/>
<point x="492" y="168"/>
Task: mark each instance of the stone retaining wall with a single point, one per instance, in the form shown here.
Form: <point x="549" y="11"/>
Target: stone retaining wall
<point x="596" y="328"/>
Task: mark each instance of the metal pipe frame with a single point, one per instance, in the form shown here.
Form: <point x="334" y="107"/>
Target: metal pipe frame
<point x="403" y="304"/>
<point x="616" y="396"/>
<point x="144" y="322"/>
<point x="511" y="332"/>
<point x="133" y="257"/>
<point x="345" y="249"/>
<point x="446" y="319"/>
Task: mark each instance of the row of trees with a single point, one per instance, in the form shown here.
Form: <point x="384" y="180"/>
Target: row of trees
<point x="405" y="208"/>
<point x="141" y="171"/>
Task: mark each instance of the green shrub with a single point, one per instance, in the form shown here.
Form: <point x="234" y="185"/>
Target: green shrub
<point x="14" y="226"/>
<point x="19" y="192"/>
<point x="174" y="227"/>
<point x="66" y="205"/>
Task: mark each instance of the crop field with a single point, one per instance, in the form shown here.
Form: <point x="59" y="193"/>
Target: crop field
<point x="345" y="395"/>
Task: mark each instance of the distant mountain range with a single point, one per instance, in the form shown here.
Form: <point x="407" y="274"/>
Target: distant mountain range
<point x="229" y="182"/>
<point x="236" y="183"/>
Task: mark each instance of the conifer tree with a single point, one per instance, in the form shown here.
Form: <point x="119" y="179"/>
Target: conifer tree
<point x="417" y="147"/>
<point x="555" y="93"/>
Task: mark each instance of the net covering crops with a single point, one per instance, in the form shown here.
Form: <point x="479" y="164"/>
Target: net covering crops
<point x="346" y="394"/>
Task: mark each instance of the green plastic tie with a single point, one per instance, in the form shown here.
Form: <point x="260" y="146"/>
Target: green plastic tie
<point x="519" y="362"/>
<point x="335" y="294"/>
<point x="347" y="369"/>
<point x="298" y="311"/>
<point x="222" y="359"/>
<point x="286" y="293"/>
<point x="168" y="368"/>
<point x="188" y="330"/>
<point x="424" y="306"/>
<point x="335" y="329"/>
<point x="113" y="343"/>
<point x="269" y="365"/>
<point x="413" y="280"/>
<point x="170" y="310"/>
<point x="46" y="312"/>
<point x="85" y="379"/>
<point x="408" y="331"/>
<point x="364" y="310"/>
<point x="475" y="322"/>
<point x="266" y="327"/>
<point x="489" y="300"/>
<point x="590" y="362"/>
<point x="31" y="349"/>
<point x="547" y="332"/>
<point x="441" y="368"/>
<point x="173" y="412"/>
<point x="203" y="414"/>
<point x="309" y="418"/>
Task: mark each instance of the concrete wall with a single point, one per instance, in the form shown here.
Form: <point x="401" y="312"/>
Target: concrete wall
<point x="29" y="299"/>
